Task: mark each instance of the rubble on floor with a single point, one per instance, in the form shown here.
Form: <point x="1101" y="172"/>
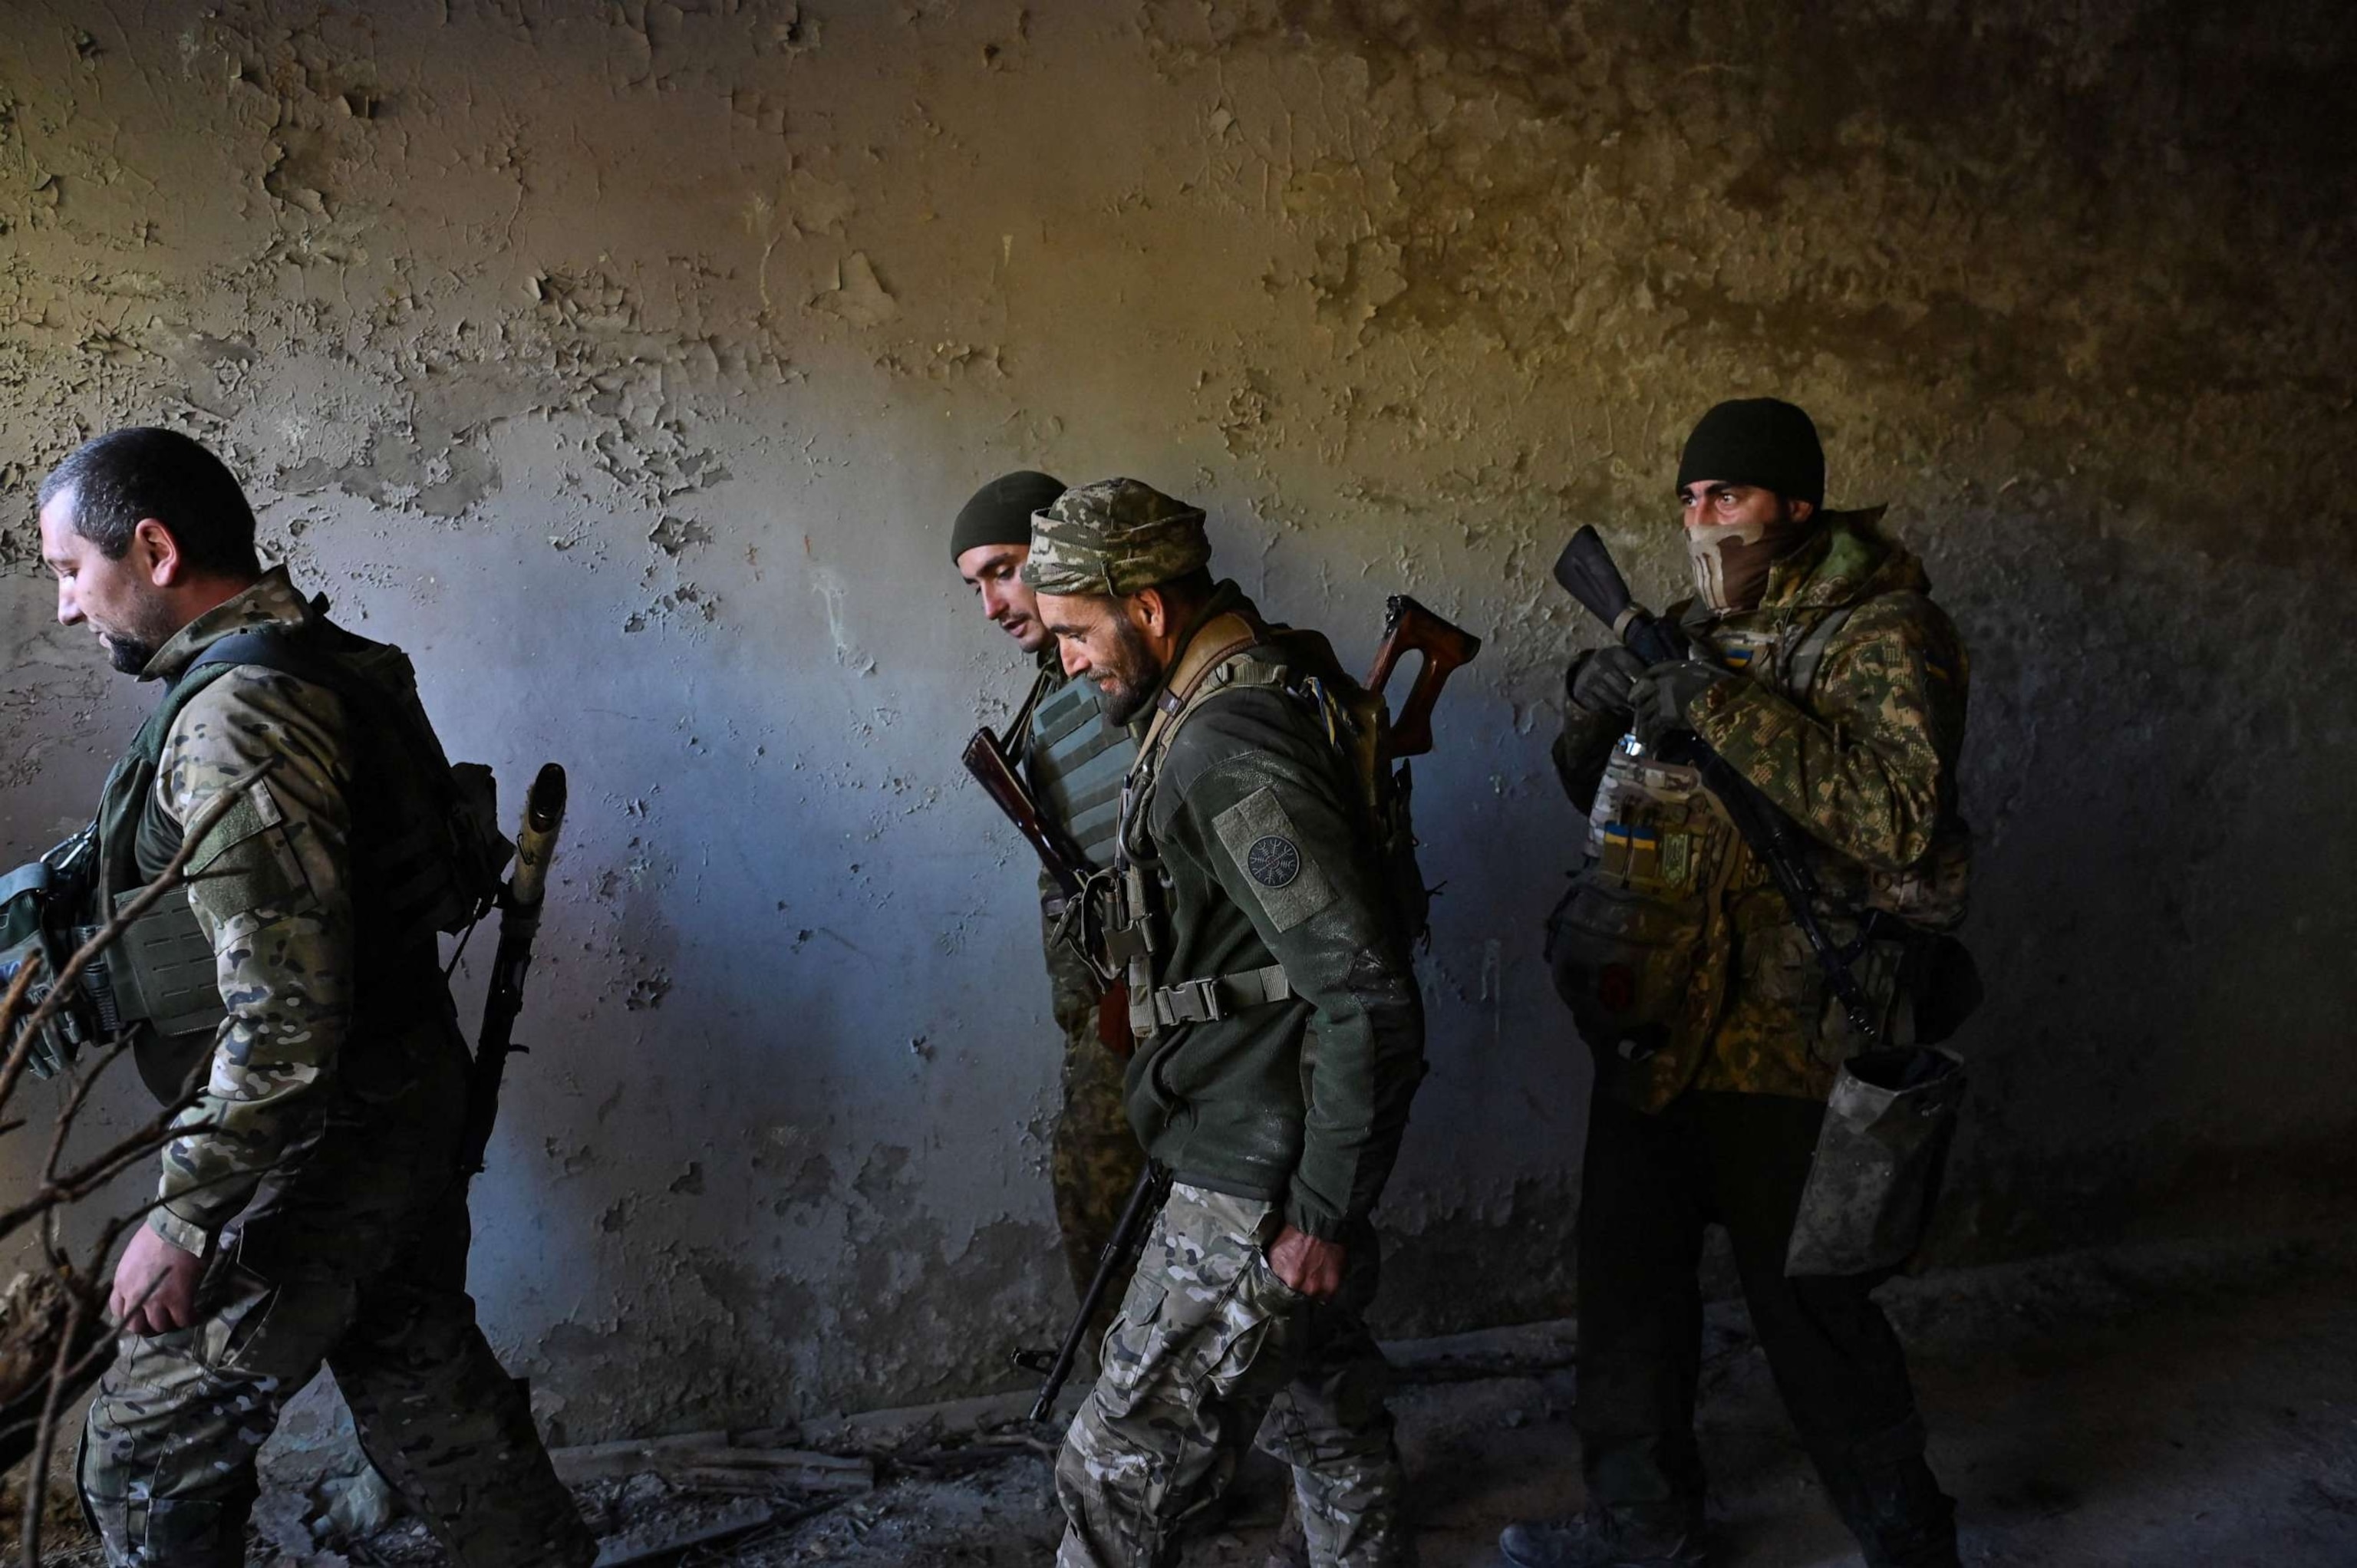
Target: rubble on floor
<point x="2153" y="1406"/>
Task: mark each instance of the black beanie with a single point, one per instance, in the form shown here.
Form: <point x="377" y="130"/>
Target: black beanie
<point x="1000" y="512"/>
<point x="1761" y="441"/>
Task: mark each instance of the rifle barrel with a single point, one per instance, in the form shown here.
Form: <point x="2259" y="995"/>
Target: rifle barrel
<point x="519" y="905"/>
<point x="1127" y="1238"/>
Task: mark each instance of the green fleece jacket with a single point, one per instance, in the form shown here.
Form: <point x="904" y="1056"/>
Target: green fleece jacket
<point x="1265" y="858"/>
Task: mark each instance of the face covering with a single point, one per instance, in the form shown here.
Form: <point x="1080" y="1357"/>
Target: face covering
<point x="1731" y="560"/>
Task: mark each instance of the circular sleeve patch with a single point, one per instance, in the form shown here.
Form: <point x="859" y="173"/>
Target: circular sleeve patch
<point x="1273" y="861"/>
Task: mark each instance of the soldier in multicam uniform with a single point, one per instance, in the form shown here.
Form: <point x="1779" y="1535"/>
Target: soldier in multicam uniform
<point x="311" y="1208"/>
<point x="1830" y="680"/>
<point x="1075" y="760"/>
<point x="1280" y="1041"/>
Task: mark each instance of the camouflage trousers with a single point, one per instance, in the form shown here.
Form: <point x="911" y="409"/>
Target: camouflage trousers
<point x="1095" y="1154"/>
<point x="354" y="1257"/>
<point x="1210" y="1348"/>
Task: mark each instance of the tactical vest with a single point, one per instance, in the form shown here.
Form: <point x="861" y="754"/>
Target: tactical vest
<point x="1077" y="760"/>
<point x="1214" y="662"/>
<point x="425" y="849"/>
<point x="1639" y="946"/>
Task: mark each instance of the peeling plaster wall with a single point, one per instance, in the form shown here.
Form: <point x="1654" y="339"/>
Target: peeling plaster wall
<point x="624" y="362"/>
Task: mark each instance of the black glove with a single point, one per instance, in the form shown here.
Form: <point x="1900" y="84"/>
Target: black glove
<point x="1598" y="681"/>
<point x="1662" y="697"/>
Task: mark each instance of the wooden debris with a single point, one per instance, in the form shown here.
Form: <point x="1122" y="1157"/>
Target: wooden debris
<point x="33" y="1313"/>
<point x="669" y="1540"/>
<point x="716" y="1461"/>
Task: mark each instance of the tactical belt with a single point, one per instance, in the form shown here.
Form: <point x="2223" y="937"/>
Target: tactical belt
<point x="1211" y="999"/>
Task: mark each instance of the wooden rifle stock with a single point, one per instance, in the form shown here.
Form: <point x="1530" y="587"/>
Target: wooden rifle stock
<point x="986" y="760"/>
<point x="1409" y="628"/>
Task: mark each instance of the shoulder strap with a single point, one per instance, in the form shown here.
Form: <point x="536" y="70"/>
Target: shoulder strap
<point x="289" y="652"/>
<point x="1802" y="672"/>
<point x="1219" y="639"/>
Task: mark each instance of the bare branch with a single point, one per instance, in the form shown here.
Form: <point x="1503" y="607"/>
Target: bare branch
<point x="14" y="997"/>
<point x="172" y="878"/>
<point x="73" y="1361"/>
<point x="37" y="1485"/>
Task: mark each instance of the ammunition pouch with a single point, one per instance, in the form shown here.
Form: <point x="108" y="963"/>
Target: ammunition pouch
<point x="1880" y="1161"/>
<point x="160" y="982"/>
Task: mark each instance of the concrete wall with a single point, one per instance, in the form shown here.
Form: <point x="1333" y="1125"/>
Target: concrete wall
<point x="624" y="362"/>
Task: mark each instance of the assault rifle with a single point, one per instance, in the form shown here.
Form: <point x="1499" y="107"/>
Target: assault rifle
<point x="1587" y="571"/>
<point x="520" y="901"/>
<point x="1408" y="628"/>
<point x="991" y="759"/>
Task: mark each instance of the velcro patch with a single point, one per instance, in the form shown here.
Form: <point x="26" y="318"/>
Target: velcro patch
<point x="1261" y="838"/>
<point x="255" y="811"/>
<point x="246" y="864"/>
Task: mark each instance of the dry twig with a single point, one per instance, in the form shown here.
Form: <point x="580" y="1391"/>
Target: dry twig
<point x="57" y="1324"/>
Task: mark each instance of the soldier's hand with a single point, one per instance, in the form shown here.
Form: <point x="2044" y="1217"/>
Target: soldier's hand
<point x="1663" y="696"/>
<point x="155" y="1286"/>
<point x="1600" y="680"/>
<point x="1310" y="1266"/>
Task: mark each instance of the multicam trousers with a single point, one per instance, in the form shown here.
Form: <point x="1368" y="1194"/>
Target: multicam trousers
<point x="1210" y="1348"/>
<point x="356" y="1258"/>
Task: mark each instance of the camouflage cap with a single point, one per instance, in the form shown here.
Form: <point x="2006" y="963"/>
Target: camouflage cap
<point x="1113" y="537"/>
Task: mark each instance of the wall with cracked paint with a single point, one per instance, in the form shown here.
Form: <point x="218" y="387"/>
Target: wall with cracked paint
<point x="624" y="362"/>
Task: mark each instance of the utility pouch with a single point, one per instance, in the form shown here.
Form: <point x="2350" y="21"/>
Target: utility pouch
<point x="1625" y="946"/>
<point x="479" y="853"/>
<point x="1623" y="963"/>
<point x="1878" y="1163"/>
<point x="30" y="931"/>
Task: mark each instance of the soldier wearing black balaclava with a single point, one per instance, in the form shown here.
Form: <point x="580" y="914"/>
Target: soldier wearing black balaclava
<point x="1830" y="681"/>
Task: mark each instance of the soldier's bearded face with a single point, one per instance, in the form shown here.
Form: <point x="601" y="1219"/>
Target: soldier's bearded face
<point x="1100" y="641"/>
<point x="115" y="596"/>
<point x="1130" y="675"/>
<point x="995" y="572"/>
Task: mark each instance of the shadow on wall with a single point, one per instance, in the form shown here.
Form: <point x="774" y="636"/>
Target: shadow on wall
<point x="2153" y="777"/>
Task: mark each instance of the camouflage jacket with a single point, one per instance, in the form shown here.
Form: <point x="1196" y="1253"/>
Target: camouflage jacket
<point x="1864" y="759"/>
<point x="276" y="902"/>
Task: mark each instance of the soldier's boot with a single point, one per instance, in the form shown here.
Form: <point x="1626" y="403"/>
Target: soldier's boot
<point x="1600" y="1539"/>
<point x="1892" y="1503"/>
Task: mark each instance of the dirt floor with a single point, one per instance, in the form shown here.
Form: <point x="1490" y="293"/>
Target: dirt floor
<point x="2151" y="1407"/>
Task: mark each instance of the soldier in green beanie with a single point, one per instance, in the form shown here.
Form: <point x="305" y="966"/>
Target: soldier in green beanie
<point x="1073" y="760"/>
<point x="1829" y="680"/>
<point x="1280" y="1041"/>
